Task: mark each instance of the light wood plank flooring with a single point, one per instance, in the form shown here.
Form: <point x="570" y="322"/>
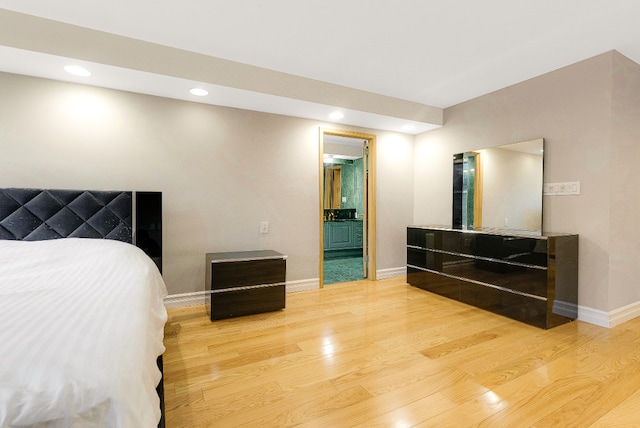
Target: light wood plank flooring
<point x="384" y="354"/>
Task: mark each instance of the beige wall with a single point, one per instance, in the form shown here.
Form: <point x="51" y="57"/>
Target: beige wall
<point x="395" y="198"/>
<point x="221" y="170"/>
<point x="588" y="138"/>
<point x="624" y="279"/>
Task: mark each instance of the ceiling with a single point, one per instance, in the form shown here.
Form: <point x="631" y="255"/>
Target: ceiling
<point x="383" y="63"/>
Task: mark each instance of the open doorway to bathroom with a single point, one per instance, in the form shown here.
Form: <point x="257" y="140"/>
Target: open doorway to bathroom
<point x="347" y="206"/>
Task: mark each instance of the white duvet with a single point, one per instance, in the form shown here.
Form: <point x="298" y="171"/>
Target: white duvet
<point x="81" y="326"/>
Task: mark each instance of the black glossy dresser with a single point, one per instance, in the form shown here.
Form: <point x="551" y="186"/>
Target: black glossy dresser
<point x="529" y="278"/>
<point x="244" y="283"/>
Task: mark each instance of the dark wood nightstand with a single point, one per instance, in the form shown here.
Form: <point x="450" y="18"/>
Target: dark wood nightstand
<point x="245" y="282"/>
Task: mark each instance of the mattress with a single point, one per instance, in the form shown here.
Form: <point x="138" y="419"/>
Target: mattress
<point x="81" y="327"/>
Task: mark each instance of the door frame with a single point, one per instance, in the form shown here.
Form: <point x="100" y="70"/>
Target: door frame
<point x="369" y="232"/>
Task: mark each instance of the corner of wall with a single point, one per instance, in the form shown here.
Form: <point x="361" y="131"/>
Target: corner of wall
<point x="609" y="319"/>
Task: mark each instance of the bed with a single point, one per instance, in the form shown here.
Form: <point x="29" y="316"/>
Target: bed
<point x="81" y="311"/>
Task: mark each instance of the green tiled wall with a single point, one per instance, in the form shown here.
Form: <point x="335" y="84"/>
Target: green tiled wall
<point x="353" y="185"/>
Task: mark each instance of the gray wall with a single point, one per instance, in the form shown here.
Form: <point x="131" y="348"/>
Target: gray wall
<point x="221" y="170"/>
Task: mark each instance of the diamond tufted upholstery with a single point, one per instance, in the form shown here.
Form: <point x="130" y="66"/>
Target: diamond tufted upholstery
<point x="37" y="214"/>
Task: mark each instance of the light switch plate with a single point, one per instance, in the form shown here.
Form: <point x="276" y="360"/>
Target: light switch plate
<point x="264" y="227"/>
<point x="561" y="189"/>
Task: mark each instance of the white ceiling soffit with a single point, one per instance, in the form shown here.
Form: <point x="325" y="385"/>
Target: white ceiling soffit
<point x="338" y="147"/>
<point x="388" y="60"/>
<point x="30" y="63"/>
<point x="345" y="141"/>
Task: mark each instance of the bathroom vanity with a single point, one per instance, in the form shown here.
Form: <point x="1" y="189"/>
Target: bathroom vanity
<point x="530" y="278"/>
<point x="343" y="235"/>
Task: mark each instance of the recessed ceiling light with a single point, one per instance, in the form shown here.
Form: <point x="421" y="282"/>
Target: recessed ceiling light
<point x="199" y="92"/>
<point x="336" y="115"/>
<point x="77" y="70"/>
<point x="408" y="127"/>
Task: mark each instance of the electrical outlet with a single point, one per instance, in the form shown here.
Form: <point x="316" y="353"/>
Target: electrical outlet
<point x="264" y="227"/>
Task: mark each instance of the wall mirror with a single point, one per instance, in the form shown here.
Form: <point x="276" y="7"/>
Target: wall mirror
<point x="343" y="174"/>
<point x="499" y="187"/>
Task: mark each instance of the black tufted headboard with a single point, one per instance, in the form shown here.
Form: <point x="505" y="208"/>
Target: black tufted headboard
<point x="38" y="214"/>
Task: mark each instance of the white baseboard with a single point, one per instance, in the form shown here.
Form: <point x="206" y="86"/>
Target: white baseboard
<point x="586" y="314"/>
<point x="391" y="273"/>
<point x="609" y="319"/>
<point x="303" y="285"/>
<point x="185" y="299"/>
<point x="199" y="297"/>
<point x="593" y="316"/>
<point x="624" y="314"/>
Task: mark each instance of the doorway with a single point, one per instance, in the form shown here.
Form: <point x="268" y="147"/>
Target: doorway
<point x="347" y="206"/>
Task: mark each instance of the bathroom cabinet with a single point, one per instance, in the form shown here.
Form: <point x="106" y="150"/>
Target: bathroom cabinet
<point x="342" y="235"/>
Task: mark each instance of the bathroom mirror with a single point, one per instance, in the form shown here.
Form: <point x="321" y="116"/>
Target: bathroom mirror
<point x="343" y="174"/>
<point x="499" y="187"/>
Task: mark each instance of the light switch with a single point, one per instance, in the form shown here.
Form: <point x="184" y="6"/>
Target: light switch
<point x="562" y="189"/>
<point x="264" y="227"/>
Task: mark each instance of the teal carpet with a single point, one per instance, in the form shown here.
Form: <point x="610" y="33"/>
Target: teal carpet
<point x="342" y="270"/>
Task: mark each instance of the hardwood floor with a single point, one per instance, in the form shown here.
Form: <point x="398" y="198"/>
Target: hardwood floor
<point x="384" y="354"/>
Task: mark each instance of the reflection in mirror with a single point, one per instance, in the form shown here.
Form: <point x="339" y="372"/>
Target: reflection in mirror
<point x="499" y="187"/>
<point x="332" y="186"/>
<point x="467" y="191"/>
<point x="343" y="174"/>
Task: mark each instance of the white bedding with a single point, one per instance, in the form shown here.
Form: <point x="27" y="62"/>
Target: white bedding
<point x="81" y="326"/>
